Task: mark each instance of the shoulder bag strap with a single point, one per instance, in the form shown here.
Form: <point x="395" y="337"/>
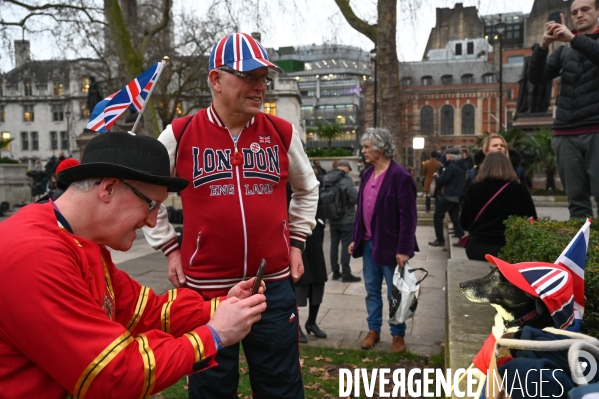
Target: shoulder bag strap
<point x="491" y="200"/>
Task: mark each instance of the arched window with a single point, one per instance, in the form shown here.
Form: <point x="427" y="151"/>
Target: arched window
<point x="468" y="119"/>
<point x="447" y="120"/>
<point x="489" y="78"/>
<point x="426" y="80"/>
<point x="406" y="81"/>
<point x="426" y="120"/>
<point x="447" y="79"/>
<point x="467" y="78"/>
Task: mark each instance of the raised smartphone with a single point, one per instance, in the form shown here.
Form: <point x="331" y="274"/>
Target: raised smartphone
<point x="555" y="17"/>
<point x="258" y="280"/>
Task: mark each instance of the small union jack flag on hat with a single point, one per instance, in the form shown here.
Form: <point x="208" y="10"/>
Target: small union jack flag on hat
<point x="133" y="96"/>
<point x="241" y="52"/>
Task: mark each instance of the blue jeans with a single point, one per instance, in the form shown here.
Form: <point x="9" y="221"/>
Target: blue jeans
<point x="373" y="280"/>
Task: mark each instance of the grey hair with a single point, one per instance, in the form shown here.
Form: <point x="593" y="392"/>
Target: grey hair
<point x="85" y="185"/>
<point x="212" y="88"/>
<point x="381" y="140"/>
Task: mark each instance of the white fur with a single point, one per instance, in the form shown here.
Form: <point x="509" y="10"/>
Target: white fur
<point x="501" y="317"/>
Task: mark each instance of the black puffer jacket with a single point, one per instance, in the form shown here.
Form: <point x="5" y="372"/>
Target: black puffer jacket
<point x="578" y="65"/>
<point x="338" y="176"/>
<point x="452" y="180"/>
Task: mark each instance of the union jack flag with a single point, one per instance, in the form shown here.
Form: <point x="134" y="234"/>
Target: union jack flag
<point x="264" y="139"/>
<point x="574" y="258"/>
<point x="554" y="286"/>
<point x="133" y="96"/>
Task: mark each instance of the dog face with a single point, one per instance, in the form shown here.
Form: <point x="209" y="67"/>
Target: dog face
<point x="495" y="289"/>
<point x="510" y="302"/>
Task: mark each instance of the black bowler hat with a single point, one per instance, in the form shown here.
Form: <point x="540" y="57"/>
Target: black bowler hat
<point x="125" y="156"/>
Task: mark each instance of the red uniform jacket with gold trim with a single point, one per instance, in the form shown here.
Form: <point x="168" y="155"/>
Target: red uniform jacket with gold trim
<point x="72" y="323"/>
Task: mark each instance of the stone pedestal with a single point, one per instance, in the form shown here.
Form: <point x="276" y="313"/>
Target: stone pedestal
<point x="83" y="139"/>
<point x="533" y="121"/>
<point x="14" y="184"/>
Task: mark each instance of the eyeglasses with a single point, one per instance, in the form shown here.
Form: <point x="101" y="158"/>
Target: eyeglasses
<point x="151" y="203"/>
<point x="249" y="78"/>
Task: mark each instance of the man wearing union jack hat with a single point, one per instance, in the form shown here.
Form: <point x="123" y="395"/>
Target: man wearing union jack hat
<point x="239" y="161"/>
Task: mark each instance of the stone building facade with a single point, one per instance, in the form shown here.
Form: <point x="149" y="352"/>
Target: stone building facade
<point x="43" y="106"/>
<point x="330" y="79"/>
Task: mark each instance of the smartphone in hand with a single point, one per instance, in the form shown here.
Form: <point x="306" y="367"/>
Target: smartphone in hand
<point x="556" y="17"/>
<point x="258" y="281"/>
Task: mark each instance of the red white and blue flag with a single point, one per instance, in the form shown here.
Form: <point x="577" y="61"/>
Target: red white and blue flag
<point x="574" y="258"/>
<point x="133" y="96"/>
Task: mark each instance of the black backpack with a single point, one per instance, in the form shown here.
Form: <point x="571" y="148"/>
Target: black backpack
<point x="334" y="201"/>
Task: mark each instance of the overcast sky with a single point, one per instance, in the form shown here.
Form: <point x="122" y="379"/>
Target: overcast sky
<point x="318" y="21"/>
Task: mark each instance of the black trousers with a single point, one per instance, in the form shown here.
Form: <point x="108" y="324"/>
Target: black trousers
<point x="341" y="233"/>
<point x="442" y="206"/>
<point x="271" y="349"/>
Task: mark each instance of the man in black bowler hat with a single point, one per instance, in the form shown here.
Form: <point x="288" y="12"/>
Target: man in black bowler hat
<point x="72" y="324"/>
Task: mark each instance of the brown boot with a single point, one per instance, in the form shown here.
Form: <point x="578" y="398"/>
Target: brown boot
<point x="399" y="345"/>
<point x="370" y="340"/>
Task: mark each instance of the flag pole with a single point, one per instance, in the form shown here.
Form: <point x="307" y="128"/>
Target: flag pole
<point x="164" y="61"/>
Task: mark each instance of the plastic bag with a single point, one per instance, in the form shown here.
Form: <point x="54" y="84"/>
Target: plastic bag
<point x="432" y="188"/>
<point x="406" y="289"/>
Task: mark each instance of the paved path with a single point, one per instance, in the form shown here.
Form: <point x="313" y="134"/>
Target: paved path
<point x="342" y="314"/>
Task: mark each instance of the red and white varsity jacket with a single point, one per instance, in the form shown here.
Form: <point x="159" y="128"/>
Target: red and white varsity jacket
<point x="235" y="209"/>
<point x="73" y="325"/>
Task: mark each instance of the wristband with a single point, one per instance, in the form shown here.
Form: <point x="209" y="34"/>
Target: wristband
<point x="298" y="244"/>
<point x="217" y="342"/>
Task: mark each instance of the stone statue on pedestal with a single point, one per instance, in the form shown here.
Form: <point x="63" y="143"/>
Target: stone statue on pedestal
<point x="532" y="99"/>
<point x="94" y="94"/>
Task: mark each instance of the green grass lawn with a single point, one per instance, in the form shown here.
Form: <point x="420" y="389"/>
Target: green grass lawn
<point x="320" y="369"/>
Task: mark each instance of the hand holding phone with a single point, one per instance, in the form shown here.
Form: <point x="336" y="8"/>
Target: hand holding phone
<point x="258" y="281"/>
<point x="556" y="17"/>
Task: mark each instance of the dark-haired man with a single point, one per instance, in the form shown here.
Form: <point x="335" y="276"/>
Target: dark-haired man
<point x="576" y="125"/>
<point x="75" y="326"/>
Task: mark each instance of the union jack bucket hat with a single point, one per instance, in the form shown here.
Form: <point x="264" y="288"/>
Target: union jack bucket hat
<point x="240" y="52"/>
<point x="548" y="281"/>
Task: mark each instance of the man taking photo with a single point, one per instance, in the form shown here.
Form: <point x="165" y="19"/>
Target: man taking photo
<point x="576" y="125"/>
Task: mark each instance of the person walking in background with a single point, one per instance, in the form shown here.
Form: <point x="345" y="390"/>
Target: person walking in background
<point x="468" y="162"/>
<point x="450" y="185"/>
<point x="489" y="201"/>
<point x="235" y="213"/>
<point x="384" y="230"/>
<point x="310" y="287"/>
<point x="429" y="168"/>
<point x="576" y="126"/>
<point x="319" y="169"/>
<point x="341" y="229"/>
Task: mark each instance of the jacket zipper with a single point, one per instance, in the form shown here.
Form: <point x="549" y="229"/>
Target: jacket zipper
<point x="197" y="248"/>
<point x="285" y="236"/>
<point x="245" y="238"/>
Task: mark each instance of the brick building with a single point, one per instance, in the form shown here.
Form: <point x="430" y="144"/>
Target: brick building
<point x="452" y="97"/>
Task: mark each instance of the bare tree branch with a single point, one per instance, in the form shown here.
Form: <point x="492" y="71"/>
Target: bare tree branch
<point x="370" y="31"/>
<point x="166" y="11"/>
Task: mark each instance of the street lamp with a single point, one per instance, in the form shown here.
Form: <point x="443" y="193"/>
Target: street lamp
<point x="500" y="28"/>
<point x="68" y="115"/>
<point x="373" y="60"/>
<point x="417" y="144"/>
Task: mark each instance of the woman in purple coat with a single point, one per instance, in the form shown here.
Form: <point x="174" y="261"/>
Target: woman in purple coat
<point x="384" y="229"/>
